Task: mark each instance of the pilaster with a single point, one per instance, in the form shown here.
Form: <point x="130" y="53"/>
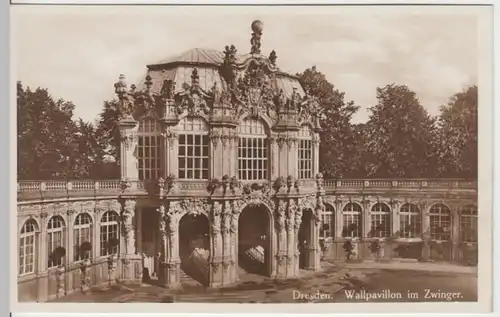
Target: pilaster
<point x="128" y="161"/>
<point x="216" y="252"/>
<point x="281" y="254"/>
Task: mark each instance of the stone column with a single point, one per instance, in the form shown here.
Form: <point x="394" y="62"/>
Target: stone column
<point x="338" y="218"/>
<point x="274" y="161"/>
<point x="171" y="241"/>
<point x="215" y="269"/>
<point x="128" y="161"/>
<point x="281" y="234"/>
<point x="291" y="240"/>
<point x="315" y="150"/>
<point x="296" y="226"/>
<point x="227" y="261"/>
<point x="426" y="231"/>
<point x="217" y="153"/>
<point x="455" y="233"/>
<point x="41" y="251"/>
<point x="128" y="217"/>
<point x="234" y="240"/>
<point x="395" y="217"/>
<point x="171" y="137"/>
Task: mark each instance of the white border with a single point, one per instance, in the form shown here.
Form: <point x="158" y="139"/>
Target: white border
<point x="485" y="201"/>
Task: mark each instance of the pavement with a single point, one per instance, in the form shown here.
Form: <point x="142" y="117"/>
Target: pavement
<point x="327" y="285"/>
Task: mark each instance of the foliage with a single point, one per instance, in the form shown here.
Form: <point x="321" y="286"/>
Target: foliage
<point x="457" y="137"/>
<point x="339" y="139"/>
<point x="400" y="136"/>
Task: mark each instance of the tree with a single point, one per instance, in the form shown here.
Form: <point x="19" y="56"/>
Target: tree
<point x="44" y="134"/>
<point x="109" y="132"/>
<point x="457" y="137"/>
<point x="339" y="148"/>
<point x="400" y="136"/>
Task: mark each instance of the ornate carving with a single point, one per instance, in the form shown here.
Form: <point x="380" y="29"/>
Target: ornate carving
<point x="319" y="181"/>
<point x="280" y="215"/>
<point x="216" y="218"/>
<point x="193" y="100"/>
<point x="124" y="97"/>
<point x="273" y="57"/>
<point x="170" y="136"/>
<point x="168" y="89"/>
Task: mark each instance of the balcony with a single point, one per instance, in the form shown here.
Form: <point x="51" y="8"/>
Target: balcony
<point x="58" y="189"/>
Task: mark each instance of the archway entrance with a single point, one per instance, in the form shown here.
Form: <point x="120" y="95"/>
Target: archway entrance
<point x="254" y="240"/>
<point x="305" y="237"/>
<point x="194" y="247"/>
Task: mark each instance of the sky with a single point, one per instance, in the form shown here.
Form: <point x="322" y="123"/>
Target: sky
<point x="78" y="52"/>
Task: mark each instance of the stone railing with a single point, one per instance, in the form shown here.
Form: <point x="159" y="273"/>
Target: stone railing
<point x="340" y="184"/>
<point x="29" y="190"/>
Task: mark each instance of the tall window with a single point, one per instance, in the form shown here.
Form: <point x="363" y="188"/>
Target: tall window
<point x="27" y="243"/>
<point x="110" y="240"/>
<point x="149" y="149"/>
<point x="380" y="220"/>
<point x="440" y="221"/>
<point x="351" y="216"/>
<point x="468" y="224"/>
<point x="82" y="232"/>
<point x="327" y="228"/>
<point x="305" y="153"/>
<point x="55" y="239"/>
<point x="410" y="221"/>
<point x="193" y="148"/>
<point x="252" y="150"/>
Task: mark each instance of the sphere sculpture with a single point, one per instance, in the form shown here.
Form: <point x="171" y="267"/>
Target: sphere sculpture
<point x="257" y="26"/>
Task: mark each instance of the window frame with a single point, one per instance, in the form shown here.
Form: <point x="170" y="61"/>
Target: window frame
<point x="412" y="213"/>
<point x="149" y="141"/>
<point x="305" y="146"/>
<point x="437" y="217"/>
<point x="253" y="150"/>
<point x="193" y="128"/>
<point x="468" y="216"/>
<point x="78" y="227"/>
<point x="32" y="236"/>
<point x="377" y="217"/>
<point x="107" y="223"/>
<point x="352" y="214"/>
<point x="55" y="238"/>
<point x="329" y="212"/>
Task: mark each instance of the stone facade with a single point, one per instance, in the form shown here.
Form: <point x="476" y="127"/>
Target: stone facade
<point x="219" y="163"/>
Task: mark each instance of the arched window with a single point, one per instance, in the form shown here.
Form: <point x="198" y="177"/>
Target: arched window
<point x="468" y="224"/>
<point x="149" y="149"/>
<point x="352" y="225"/>
<point x="110" y="240"/>
<point x="55" y="239"/>
<point x="327" y="228"/>
<point x="82" y="232"/>
<point x="380" y="220"/>
<point x="27" y="244"/>
<point x="193" y="148"/>
<point x="252" y="150"/>
<point x="440" y="222"/>
<point x="410" y="220"/>
<point x="305" y="153"/>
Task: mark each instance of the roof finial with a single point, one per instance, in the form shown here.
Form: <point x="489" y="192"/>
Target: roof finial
<point x="257" y="27"/>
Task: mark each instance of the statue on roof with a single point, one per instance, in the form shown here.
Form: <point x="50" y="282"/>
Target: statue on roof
<point x="124" y="96"/>
<point x="257" y="27"/>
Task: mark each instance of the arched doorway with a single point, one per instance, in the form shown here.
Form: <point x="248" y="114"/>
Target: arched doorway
<point x="254" y="240"/>
<point x="305" y="237"/>
<point x="194" y="247"/>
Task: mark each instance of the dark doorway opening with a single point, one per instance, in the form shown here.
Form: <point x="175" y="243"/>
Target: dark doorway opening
<point x="254" y="240"/>
<point x="194" y="247"/>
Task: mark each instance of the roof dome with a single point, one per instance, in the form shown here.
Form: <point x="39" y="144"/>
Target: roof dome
<point x="207" y="62"/>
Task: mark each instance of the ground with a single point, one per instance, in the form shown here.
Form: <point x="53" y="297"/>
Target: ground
<point x="366" y="282"/>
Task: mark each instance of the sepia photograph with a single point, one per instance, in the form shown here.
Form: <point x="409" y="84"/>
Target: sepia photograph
<point x="252" y="154"/>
